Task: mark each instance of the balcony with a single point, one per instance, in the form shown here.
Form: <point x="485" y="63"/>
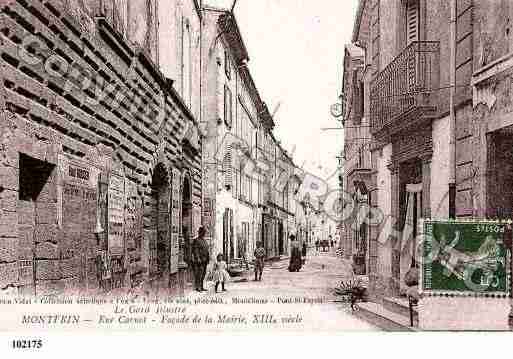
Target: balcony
<point x="405" y="92"/>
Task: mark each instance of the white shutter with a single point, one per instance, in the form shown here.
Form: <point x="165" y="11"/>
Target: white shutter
<point x="412" y="21"/>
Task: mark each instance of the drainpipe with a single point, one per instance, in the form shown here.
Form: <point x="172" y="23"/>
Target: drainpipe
<point x="452" y="114"/>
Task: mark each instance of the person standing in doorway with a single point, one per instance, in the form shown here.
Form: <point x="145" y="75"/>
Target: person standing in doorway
<point x="303" y="253"/>
<point x="200" y="257"/>
<point x="259" y="261"/>
<point x="295" y="255"/>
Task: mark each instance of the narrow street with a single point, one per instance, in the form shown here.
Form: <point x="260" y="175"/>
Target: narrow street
<point x="321" y="273"/>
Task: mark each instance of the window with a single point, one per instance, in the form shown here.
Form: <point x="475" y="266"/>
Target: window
<point x="227" y="106"/>
<point x="245" y="192"/>
<point x="250" y="188"/>
<point x="243" y="241"/>
<point x="227" y="65"/>
<point x="246" y="131"/>
<point x="412" y="21"/>
<point x="260" y="185"/>
<point x="236" y="184"/>
<point x="361" y="96"/>
<point x="286" y="195"/>
<point x="358" y="98"/>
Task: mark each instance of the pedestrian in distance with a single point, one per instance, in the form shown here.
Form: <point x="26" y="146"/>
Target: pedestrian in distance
<point x="303" y="253"/>
<point x="221" y="275"/>
<point x="200" y="257"/>
<point x="317" y="245"/>
<point x="259" y="261"/>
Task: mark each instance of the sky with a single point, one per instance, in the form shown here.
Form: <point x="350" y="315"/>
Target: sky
<point x="296" y="51"/>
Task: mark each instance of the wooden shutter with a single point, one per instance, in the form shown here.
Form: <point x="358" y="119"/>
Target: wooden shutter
<point x="226" y="233"/>
<point x="412" y="21"/>
<point x="232" y="247"/>
<point x="228" y="168"/>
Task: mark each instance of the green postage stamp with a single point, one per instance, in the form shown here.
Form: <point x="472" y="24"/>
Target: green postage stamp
<point x="465" y="258"/>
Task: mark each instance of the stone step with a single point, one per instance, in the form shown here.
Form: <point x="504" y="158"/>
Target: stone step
<point x="383" y="318"/>
<point x="401" y="307"/>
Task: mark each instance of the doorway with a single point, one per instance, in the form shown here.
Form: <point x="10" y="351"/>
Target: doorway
<point x="187" y="234"/>
<point x="34" y="188"/>
<point x="500" y="173"/>
<point x="411" y="214"/>
<point x="159" y="243"/>
<point x="228" y="245"/>
<point x="281" y="246"/>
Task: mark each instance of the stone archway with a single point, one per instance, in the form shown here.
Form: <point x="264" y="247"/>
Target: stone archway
<point x="186" y="229"/>
<point x="157" y="227"/>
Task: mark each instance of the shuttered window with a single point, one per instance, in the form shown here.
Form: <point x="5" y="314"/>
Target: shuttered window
<point x="412" y="21"/>
<point x="228" y="107"/>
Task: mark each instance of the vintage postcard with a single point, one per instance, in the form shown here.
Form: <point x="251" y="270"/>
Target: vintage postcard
<point x="258" y="166"/>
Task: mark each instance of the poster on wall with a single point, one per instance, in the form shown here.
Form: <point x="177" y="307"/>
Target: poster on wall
<point x="77" y="206"/>
<point x="208" y="217"/>
<point x="196" y="219"/>
<point x="133" y="223"/>
<point x="175" y="219"/>
<point x="116" y="205"/>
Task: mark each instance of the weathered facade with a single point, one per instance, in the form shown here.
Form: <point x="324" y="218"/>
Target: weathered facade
<point x="243" y="160"/>
<point x="357" y="164"/>
<point x="439" y="112"/>
<point x="99" y="152"/>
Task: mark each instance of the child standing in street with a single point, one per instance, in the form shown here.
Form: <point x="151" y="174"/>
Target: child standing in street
<point x="220" y="273"/>
<point x="259" y="261"/>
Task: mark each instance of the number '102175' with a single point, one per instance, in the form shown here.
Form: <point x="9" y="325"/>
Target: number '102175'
<point x="27" y="344"/>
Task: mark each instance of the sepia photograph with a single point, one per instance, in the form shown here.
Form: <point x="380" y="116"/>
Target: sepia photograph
<point x="258" y="166"/>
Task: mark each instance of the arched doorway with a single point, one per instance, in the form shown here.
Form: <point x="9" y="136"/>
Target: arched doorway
<point x="187" y="231"/>
<point x="281" y="239"/>
<point x="159" y="243"/>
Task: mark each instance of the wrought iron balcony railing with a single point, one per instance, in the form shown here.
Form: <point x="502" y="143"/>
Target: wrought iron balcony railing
<point x="408" y="83"/>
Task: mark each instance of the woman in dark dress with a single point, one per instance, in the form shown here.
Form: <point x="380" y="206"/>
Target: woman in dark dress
<point x="295" y="255"/>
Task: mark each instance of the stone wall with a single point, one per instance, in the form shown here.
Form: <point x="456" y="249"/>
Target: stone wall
<point x="439" y="189"/>
<point x="94" y="99"/>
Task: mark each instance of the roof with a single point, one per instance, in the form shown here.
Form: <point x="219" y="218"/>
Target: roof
<point x="197" y="6"/>
<point x="229" y="27"/>
<point x="266" y="118"/>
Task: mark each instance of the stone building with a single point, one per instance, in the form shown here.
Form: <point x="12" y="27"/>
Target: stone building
<point x="357" y="167"/>
<point x="243" y="160"/>
<point x="100" y="150"/>
<point x="398" y="79"/>
<point x="437" y="97"/>
<point x="231" y="111"/>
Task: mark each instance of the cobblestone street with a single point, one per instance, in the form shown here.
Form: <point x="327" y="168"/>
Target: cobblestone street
<point x="321" y="273"/>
